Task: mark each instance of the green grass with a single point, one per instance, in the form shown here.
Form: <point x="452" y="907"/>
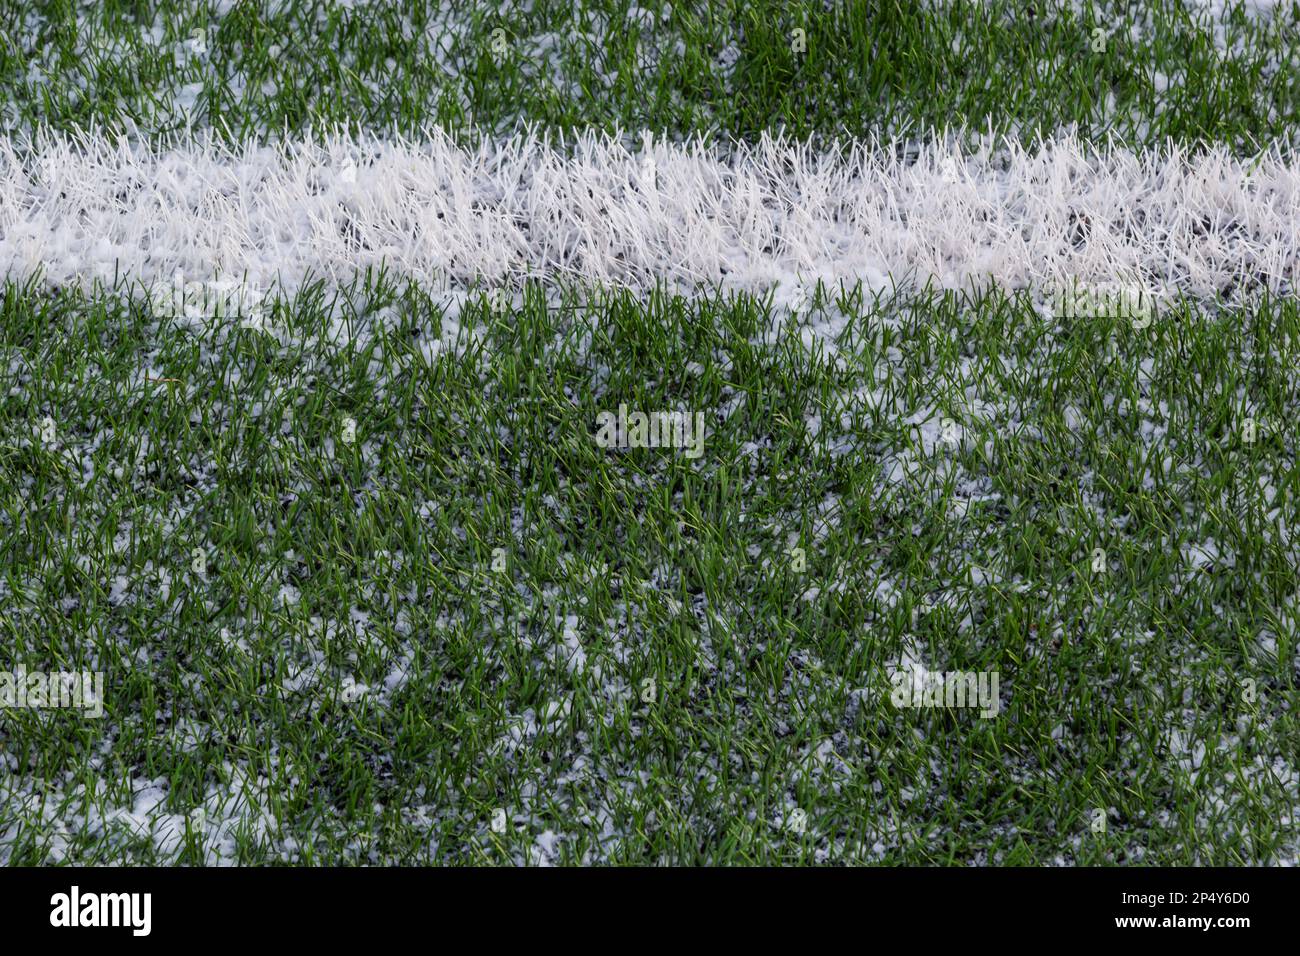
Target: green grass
<point x="619" y="648"/>
<point x="770" y="685"/>
<point x="720" y="69"/>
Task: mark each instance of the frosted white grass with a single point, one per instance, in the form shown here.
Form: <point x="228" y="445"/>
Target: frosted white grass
<point x="86" y="208"/>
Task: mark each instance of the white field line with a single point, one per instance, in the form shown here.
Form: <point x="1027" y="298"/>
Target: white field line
<point x="84" y="208"/>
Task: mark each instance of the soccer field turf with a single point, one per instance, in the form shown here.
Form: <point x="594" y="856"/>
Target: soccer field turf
<point x="718" y="433"/>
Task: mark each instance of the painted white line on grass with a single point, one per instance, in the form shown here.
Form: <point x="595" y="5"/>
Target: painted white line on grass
<point x="85" y="208"/>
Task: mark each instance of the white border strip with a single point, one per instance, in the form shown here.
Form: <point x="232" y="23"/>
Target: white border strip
<point x="90" y="208"/>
